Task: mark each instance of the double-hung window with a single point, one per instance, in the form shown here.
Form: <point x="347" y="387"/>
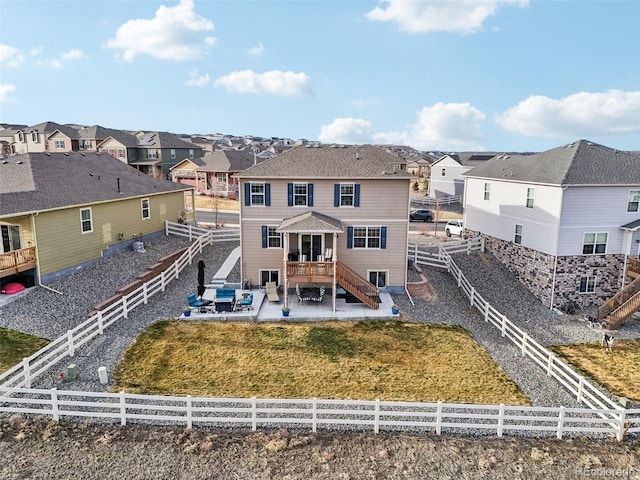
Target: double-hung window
<point x="530" y="195"/>
<point x="366" y="237"/>
<point x="594" y="243"/>
<point x="487" y="191"/>
<point x="257" y="194"/>
<point x="518" y="235"/>
<point x="270" y="237"/>
<point x="173" y="154"/>
<point x="146" y="210"/>
<point x="300" y="194"/>
<point x="86" y="221"/>
<point x="10" y="238"/>
<point x="346" y="195"/>
<point x="59" y="143"/>
<point x="587" y="285"/>
<point x="633" y="201"/>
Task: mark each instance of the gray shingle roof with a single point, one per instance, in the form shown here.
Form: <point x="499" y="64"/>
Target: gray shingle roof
<point x="579" y="163"/>
<point x="325" y="161"/>
<point x="311" y="222"/>
<point x="164" y="140"/>
<point x="228" y="161"/>
<point x="41" y="181"/>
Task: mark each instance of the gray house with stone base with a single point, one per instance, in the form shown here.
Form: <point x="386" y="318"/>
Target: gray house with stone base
<point x="566" y="221"/>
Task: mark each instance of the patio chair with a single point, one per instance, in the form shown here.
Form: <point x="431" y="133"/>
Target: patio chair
<point x="318" y="298"/>
<point x="194" y="302"/>
<point x="272" y="291"/>
<point x="245" y="303"/>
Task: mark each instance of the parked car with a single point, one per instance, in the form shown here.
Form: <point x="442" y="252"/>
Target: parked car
<point x="454" y="227"/>
<point x="421" y="215"/>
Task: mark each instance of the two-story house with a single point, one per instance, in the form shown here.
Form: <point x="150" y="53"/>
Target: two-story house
<point x="326" y="215"/>
<point x="566" y="221"/>
<point x="61" y="211"/>
<point x="445" y="177"/>
<point x="37" y="138"/>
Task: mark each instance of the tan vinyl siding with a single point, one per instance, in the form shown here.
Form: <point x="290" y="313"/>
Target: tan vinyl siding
<point x="61" y="243"/>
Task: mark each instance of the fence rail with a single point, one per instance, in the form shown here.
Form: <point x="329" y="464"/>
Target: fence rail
<point x="432" y="202"/>
<point x="193" y="232"/>
<point x="374" y="415"/>
<point x="22" y="374"/>
<point x="584" y="391"/>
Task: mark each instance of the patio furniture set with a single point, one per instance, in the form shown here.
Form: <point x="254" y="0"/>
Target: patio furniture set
<point x="220" y="300"/>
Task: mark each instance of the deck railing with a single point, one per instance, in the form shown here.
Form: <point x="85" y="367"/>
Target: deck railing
<point x="309" y="270"/>
<point x="17" y="261"/>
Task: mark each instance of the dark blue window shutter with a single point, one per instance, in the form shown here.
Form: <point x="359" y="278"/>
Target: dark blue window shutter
<point x="264" y="236"/>
<point x="336" y="195"/>
<point x="383" y="237"/>
<point x="356" y="195"/>
<point x="290" y="194"/>
<point x="310" y="195"/>
<point x="349" y="237"/>
<point x="247" y="194"/>
<point x="267" y="194"/>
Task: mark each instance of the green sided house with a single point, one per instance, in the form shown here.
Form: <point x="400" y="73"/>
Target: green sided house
<point x="332" y="216"/>
<point x="61" y="211"/>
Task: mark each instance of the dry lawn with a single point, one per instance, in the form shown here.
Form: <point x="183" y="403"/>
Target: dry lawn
<point x="204" y="201"/>
<point x="619" y="370"/>
<point x="361" y="360"/>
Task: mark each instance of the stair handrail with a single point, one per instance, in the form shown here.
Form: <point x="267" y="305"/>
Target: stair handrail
<point x="361" y="288"/>
<point x="623" y="312"/>
<point x="619" y="298"/>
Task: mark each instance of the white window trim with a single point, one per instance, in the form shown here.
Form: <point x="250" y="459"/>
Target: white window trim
<point x="595" y="243"/>
<point x="587" y="291"/>
<point x="148" y="208"/>
<point x="270" y="270"/>
<point x="278" y="235"/>
<point x="263" y="194"/>
<point x="367" y="237"/>
<point x="530" y="198"/>
<point x="487" y="191"/>
<point x="386" y="272"/>
<point x="629" y="201"/>
<point x="306" y="194"/>
<point x="352" y="195"/>
<point x="516" y="234"/>
<point x="82" y="220"/>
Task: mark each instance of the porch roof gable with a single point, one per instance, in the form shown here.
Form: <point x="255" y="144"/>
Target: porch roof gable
<point x="311" y="221"/>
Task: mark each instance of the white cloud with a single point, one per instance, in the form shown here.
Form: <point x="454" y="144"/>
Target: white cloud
<point x="444" y="126"/>
<point x="363" y="102"/>
<point x="347" y="130"/>
<point x="6" y="89"/>
<point x="464" y="16"/>
<point x="275" y="82"/>
<point x="175" y="33"/>
<point x="578" y="115"/>
<point x="35" y="51"/>
<point x="9" y="56"/>
<point x="257" y="50"/>
<point x="62" y="59"/>
<point x="196" y="80"/>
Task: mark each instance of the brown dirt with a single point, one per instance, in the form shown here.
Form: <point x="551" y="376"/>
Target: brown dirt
<point x="42" y="449"/>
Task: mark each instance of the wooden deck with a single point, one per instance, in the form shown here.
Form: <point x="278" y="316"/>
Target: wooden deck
<point x="17" y="261"/>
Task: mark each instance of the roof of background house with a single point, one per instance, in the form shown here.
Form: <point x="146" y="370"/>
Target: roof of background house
<point x="229" y="161"/>
<point x="325" y="161"/>
<point x="97" y="132"/>
<point x="124" y="138"/>
<point x="43" y="181"/>
<point x="50" y="127"/>
<point x="578" y="163"/>
<point x="164" y="140"/>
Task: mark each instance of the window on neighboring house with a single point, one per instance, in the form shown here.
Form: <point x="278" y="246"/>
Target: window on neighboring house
<point x="20" y="136"/>
<point x="34" y="136"/>
<point x="269" y="276"/>
<point x="121" y="153"/>
<point x="173" y="154"/>
<point x="152" y="154"/>
<point x="10" y="238"/>
<point x="270" y="237"/>
<point x="587" y="285"/>
<point x="221" y="177"/>
<point x="111" y="151"/>
<point x="346" y="195"/>
<point x="86" y="145"/>
<point x="444" y="172"/>
<point x="634" y="200"/>
<point x="86" y="223"/>
<point x="487" y="191"/>
<point x="146" y="211"/>
<point x="59" y="143"/>
<point x="530" y="195"/>
<point x="518" y="236"/>
<point x="594" y="243"/>
<point x="191" y="155"/>
<point x="366" y="237"/>
<point x="396" y="167"/>
<point x="378" y="278"/>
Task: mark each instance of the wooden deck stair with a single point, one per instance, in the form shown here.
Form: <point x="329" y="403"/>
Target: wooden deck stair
<point x="624" y="303"/>
<point x="357" y="286"/>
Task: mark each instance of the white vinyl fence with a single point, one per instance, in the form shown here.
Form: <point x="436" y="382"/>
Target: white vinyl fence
<point x="584" y="391"/>
<point x="432" y="202"/>
<point x="192" y="232"/>
<point x="24" y="372"/>
<point x="375" y="415"/>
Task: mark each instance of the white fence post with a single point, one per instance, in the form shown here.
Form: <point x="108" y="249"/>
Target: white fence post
<point x="486" y="311"/>
<point x="254" y="414"/>
<point x="189" y="413"/>
<point x="100" y="323"/>
<point x="55" y="413"/>
<point x="549" y="365"/>
<point x="26" y="369"/>
<point x="482" y="244"/>
<point x="500" y="420"/>
<point x="166" y="228"/>
<point x="70" y="348"/>
<point x="145" y="293"/>
<point x="560" y="423"/>
<point x="580" y="387"/>
<point x="503" y="326"/>
<point x="125" y="312"/>
<point x="524" y="344"/>
<point x="439" y="419"/>
<point x="621" y="426"/>
<point x="376" y="420"/>
<point x="473" y="292"/>
<point x="123" y="408"/>
<point x="314" y="415"/>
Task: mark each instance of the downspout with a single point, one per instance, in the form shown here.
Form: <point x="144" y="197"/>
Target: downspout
<point x="626" y="256"/>
<point x="285" y="251"/>
<point x="335" y="265"/>
<point x="555" y="256"/>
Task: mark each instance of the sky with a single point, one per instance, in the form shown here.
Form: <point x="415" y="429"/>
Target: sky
<point x="448" y="75"/>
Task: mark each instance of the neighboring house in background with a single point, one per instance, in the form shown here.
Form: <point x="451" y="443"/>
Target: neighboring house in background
<point x="216" y="175"/>
<point x="419" y="168"/>
<point x="566" y="221"/>
<point x="445" y="177"/>
<point x="185" y="171"/>
<point x="62" y="211"/>
<point x="152" y="153"/>
<point x="36" y="138"/>
<point x="326" y="215"/>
